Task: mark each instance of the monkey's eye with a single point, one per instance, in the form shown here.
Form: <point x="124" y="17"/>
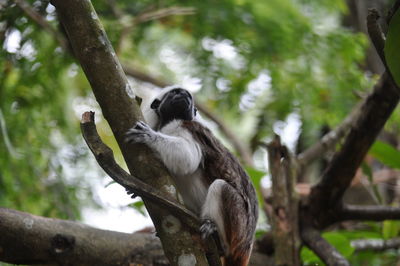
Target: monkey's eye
<point x="155" y="104"/>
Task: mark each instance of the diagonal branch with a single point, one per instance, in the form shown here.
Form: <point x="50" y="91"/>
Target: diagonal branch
<point x="329" y="140"/>
<point x="313" y="239"/>
<point x="375" y="33"/>
<point x="368" y="213"/>
<point x="374" y="112"/>
<point x="37" y="18"/>
<point x="105" y="157"/>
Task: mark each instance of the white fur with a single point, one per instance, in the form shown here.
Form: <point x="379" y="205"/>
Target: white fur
<point x="211" y="208"/>
<point x="177" y="148"/>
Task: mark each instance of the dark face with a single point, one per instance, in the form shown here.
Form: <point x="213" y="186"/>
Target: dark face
<point x="175" y="104"/>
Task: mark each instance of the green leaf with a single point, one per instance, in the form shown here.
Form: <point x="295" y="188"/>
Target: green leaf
<point x="392" y="45"/>
<point x="386" y="154"/>
<point x="309" y="258"/>
<point x="390" y="229"/>
<point x="340" y="242"/>
<point x="139" y="206"/>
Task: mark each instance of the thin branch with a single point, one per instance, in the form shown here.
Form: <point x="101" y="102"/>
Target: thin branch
<point x="30" y="239"/>
<point x="375" y="244"/>
<point x="328" y="141"/>
<point x="144" y="77"/>
<point x="368" y="213"/>
<point x="164" y="12"/>
<point x="375" y="33"/>
<point x="313" y="240"/>
<point x="105" y="157"/>
<point x="37" y="18"/>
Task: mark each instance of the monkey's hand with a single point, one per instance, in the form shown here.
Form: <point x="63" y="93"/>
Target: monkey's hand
<point x="140" y="133"/>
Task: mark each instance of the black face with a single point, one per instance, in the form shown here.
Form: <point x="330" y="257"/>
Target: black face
<point x="175" y="104"/>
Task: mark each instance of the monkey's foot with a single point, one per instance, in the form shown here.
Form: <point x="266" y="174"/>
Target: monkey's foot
<point x="131" y="193"/>
<point x="207" y="228"/>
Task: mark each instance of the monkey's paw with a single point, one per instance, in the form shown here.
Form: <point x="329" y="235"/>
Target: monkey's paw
<point x="131" y="193"/>
<point x="140" y="133"/>
<point x="207" y="229"/>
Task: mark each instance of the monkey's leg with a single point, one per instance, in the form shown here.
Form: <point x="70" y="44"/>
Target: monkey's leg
<point x="212" y="215"/>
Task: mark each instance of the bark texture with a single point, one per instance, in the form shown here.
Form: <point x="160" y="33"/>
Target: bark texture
<point x="30" y="239"/>
<point x="110" y="86"/>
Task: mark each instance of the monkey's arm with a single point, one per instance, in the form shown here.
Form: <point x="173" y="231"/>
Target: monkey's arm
<point x="180" y="153"/>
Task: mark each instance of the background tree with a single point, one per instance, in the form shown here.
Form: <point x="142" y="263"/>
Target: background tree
<point x="260" y="66"/>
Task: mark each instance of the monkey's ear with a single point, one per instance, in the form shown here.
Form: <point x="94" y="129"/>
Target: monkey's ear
<point x="195" y="111"/>
<point x="155" y="104"/>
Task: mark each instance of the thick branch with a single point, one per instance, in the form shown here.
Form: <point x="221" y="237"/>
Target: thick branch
<point x="285" y="206"/>
<point x="313" y="240"/>
<point x="104" y="72"/>
<point x="375" y="244"/>
<point x="368" y="213"/>
<point x="105" y="157"/>
<point x="30" y="239"/>
<point x="374" y="112"/>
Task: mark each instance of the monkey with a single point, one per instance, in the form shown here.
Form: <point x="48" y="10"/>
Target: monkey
<point x="209" y="178"/>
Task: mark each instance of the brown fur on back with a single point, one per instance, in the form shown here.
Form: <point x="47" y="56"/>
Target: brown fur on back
<point x="239" y="200"/>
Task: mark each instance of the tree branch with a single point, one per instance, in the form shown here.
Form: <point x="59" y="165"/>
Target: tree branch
<point x="37" y="18"/>
<point x="30" y="239"/>
<point x="162" y="13"/>
<point x="105" y="157"/>
<point x="313" y="240"/>
<point x="104" y="72"/>
<point x="375" y="244"/>
<point x="328" y="141"/>
<point x="285" y="205"/>
<point x="368" y="213"/>
<point x="374" y="112"/>
<point x="375" y="33"/>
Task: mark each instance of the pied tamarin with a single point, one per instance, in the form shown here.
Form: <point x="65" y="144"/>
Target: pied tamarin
<point x="209" y="178"/>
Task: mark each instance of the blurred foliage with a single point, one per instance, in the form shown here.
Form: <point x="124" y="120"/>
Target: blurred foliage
<point x="254" y="63"/>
